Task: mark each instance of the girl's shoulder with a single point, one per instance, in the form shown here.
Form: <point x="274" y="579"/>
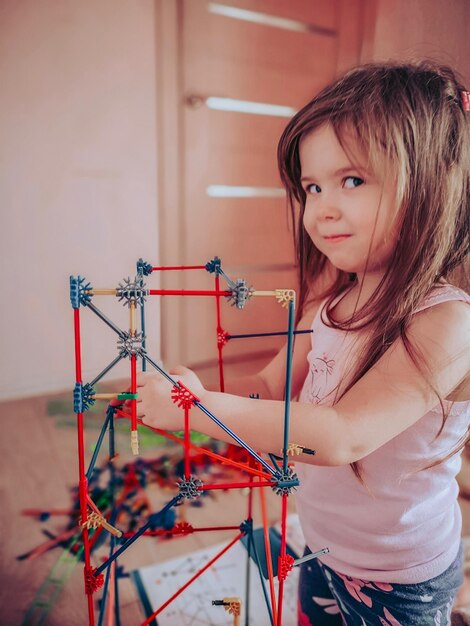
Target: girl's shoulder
<point x="443" y="292"/>
<point x="447" y="325"/>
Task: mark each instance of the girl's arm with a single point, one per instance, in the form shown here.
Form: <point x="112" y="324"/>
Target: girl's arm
<point x="270" y="381"/>
<point x="389" y="398"/>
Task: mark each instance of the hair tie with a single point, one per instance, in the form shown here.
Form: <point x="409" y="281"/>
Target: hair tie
<point x="465" y="95"/>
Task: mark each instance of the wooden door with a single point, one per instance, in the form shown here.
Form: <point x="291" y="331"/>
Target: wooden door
<point x="243" y="68"/>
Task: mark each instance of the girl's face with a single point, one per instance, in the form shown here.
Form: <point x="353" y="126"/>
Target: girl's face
<point x="350" y="214"/>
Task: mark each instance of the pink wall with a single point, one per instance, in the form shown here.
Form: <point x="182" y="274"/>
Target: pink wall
<point x="78" y="182"/>
<point x="408" y="29"/>
<point x="78" y="176"/>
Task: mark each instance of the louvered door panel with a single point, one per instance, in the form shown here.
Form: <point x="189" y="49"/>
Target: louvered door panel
<point x="237" y="55"/>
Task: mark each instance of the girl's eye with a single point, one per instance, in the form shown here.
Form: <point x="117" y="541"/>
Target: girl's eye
<point x="313" y="188"/>
<point x="350" y="182"/>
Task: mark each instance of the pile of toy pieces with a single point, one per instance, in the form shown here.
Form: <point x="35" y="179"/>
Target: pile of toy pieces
<point x="122" y="488"/>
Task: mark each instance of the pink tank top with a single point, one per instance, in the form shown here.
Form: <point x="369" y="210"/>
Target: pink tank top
<point x="405" y="526"/>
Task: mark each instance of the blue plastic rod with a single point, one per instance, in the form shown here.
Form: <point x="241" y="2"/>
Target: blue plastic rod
<point x="161" y="371"/>
<point x="248" y="571"/>
<point x="91" y="467"/>
<point x="104" y="599"/>
<point x="274" y="461"/>
<point x="106" y="370"/>
<point x="236" y="437"/>
<point x="217" y="421"/>
<point x="131" y="540"/>
<point x="290" y="344"/>
<point x="277" y="334"/>
<point x="263" y="585"/>
<point x="106" y="320"/>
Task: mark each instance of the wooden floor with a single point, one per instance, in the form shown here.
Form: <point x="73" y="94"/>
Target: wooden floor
<point x="39" y="468"/>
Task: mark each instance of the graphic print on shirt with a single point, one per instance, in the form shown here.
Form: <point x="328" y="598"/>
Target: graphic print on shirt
<point x="320" y="370"/>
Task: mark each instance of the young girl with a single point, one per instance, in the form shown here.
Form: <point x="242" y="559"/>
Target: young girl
<point x="378" y="164"/>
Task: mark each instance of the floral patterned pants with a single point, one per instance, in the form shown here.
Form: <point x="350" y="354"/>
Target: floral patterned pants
<point x="327" y="598"/>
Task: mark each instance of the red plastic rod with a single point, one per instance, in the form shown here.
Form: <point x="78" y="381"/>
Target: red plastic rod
<point x="191" y="580"/>
<point x="211" y="455"/>
<point x="83" y="485"/>
<point x="219" y="330"/>
<point x="178" y="267"/>
<point x="236" y="485"/>
<point x="188" y="292"/>
<point x="187" y="441"/>
<point x="78" y="356"/>
<point x="267" y="547"/>
<point x="162" y="532"/>
<point x="282" y="555"/>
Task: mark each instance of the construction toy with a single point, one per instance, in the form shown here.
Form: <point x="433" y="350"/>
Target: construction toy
<point x="94" y="517"/>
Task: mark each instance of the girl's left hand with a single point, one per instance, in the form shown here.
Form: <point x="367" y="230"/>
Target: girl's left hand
<point x="155" y="405"/>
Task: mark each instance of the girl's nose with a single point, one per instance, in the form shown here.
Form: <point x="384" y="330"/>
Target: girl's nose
<point x="328" y="209"/>
<point x="320" y="211"/>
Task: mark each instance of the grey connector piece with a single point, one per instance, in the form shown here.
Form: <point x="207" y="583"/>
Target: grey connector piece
<point x="132" y="291"/>
<point x="189" y="487"/>
<point x="129" y="345"/>
<point x="241" y="293"/>
<point x="287" y="481"/>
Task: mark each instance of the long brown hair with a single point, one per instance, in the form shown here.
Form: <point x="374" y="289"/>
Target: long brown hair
<point x="411" y="116"/>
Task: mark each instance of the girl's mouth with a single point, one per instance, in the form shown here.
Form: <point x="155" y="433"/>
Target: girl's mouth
<point x="336" y="238"/>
